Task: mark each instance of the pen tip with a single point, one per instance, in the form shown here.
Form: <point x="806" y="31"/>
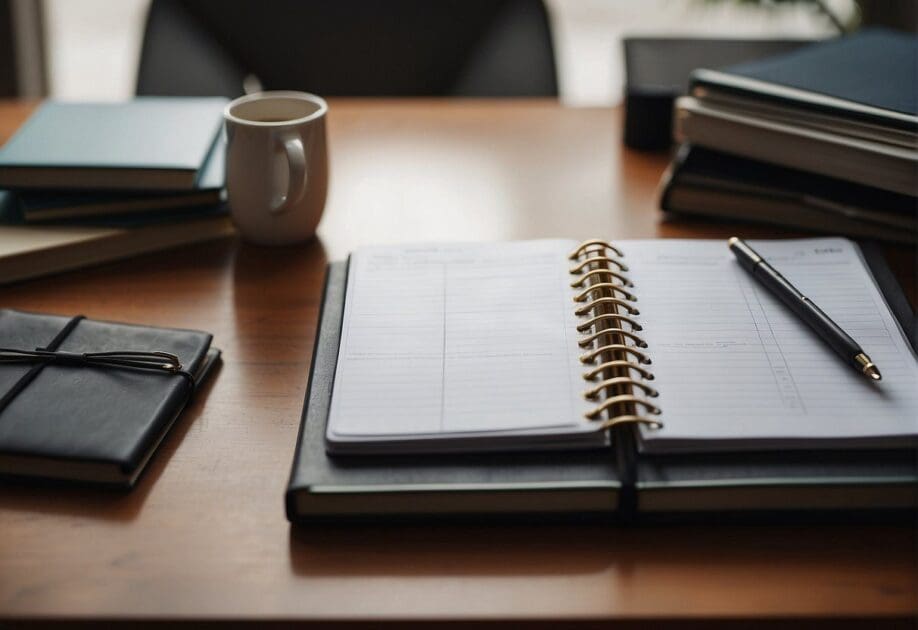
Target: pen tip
<point x="732" y="241"/>
<point x="868" y="367"/>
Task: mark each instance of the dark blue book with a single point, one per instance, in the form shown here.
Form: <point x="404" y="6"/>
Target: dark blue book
<point x="871" y="77"/>
<point x="843" y="108"/>
<point x="149" y="143"/>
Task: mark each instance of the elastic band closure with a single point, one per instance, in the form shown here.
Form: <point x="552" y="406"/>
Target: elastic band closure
<point x="41" y="357"/>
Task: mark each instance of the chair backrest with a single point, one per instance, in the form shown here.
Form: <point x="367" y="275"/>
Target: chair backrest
<point x="22" y="53"/>
<point x="349" y="47"/>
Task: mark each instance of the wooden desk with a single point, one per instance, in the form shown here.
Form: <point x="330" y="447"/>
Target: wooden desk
<point x="203" y="536"/>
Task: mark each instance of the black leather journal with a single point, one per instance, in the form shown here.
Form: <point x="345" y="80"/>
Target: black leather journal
<point x="89" y="401"/>
<point x="617" y="481"/>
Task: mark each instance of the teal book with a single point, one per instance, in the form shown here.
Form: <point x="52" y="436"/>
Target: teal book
<point x="119" y="207"/>
<point x="149" y="143"/>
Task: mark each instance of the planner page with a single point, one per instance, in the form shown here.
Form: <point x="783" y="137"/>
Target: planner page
<point x="460" y="343"/>
<point x="736" y="369"/>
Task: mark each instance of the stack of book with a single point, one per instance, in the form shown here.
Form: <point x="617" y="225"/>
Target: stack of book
<point x="824" y="138"/>
<point x="86" y="183"/>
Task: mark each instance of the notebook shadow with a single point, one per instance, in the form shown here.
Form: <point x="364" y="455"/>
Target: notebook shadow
<point x="416" y="550"/>
<point x="104" y="502"/>
<point x="534" y="550"/>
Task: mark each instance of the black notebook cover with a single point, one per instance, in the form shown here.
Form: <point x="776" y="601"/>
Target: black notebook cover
<point x="706" y="182"/>
<point x="871" y="75"/>
<point x="611" y="482"/>
<point x="92" y="423"/>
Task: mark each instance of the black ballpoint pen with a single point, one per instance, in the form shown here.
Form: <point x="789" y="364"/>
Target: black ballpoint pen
<point x="831" y="333"/>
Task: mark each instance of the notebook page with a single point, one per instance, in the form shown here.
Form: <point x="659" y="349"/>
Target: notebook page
<point x="462" y="340"/>
<point x="736" y="369"/>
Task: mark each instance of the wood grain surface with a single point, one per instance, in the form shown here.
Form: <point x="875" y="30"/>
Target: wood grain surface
<point x="203" y="535"/>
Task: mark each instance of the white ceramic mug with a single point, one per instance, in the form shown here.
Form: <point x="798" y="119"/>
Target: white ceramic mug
<point x="276" y="165"/>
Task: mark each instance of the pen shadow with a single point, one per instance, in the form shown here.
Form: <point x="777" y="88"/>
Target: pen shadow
<point x="102" y="502"/>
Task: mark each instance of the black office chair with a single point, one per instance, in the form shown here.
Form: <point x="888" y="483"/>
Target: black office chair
<point x="349" y="47"/>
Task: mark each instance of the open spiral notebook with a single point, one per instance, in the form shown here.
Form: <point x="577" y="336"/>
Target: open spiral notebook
<point x="547" y="344"/>
<point x="476" y="380"/>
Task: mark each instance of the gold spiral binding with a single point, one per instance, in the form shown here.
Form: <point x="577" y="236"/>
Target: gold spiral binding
<point x="599" y="259"/>
<point x="583" y="310"/>
<point x="590" y="356"/>
<point x="605" y="286"/>
<point x="619" y="386"/>
<point x="574" y="255"/>
<point x="586" y="341"/>
<point x="605" y="274"/>
<point x="620" y="365"/>
<point x="608" y="403"/>
<point x="590" y="394"/>
<point x="588" y="325"/>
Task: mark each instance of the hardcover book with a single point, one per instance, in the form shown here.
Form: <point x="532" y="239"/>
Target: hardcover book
<point x="149" y="143"/>
<point x="869" y="77"/>
<point x="29" y="251"/>
<point x="119" y="207"/>
<point x="844" y="108"/>
<point x="709" y="183"/>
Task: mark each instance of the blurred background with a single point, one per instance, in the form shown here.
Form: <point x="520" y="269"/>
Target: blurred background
<point x="90" y="49"/>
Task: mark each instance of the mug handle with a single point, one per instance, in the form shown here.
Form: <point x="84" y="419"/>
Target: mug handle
<point x="296" y="162"/>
